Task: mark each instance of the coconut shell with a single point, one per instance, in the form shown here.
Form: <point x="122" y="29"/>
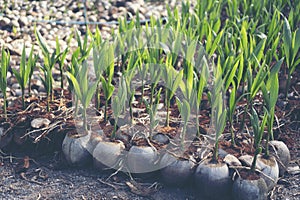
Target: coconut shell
<point x="244" y="189"/>
<point x="176" y="171"/>
<point x="77" y="150"/>
<point x="270" y="168"/>
<point x="142" y="159"/>
<point x="280" y="149"/>
<point x="213" y="180"/>
<point x="107" y="155"/>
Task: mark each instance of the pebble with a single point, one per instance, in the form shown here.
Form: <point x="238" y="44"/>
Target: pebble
<point x="18" y="21"/>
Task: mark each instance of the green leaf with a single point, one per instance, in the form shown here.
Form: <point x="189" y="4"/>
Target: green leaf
<point x="244" y="41"/>
<point x="75" y="85"/>
<point x="287" y="40"/>
<point x="177" y="81"/>
<point x="18" y="76"/>
<point x="216" y="43"/>
<point x="260" y="76"/>
<point x="89" y="94"/>
<point x="259" y="50"/>
<point x="230" y="74"/>
<point x="42" y="43"/>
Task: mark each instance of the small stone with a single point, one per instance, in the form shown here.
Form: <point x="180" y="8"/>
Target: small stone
<point x="231" y="160"/>
<point x="93" y="18"/>
<point x="23" y="21"/>
<point x="293" y="169"/>
<point x="40" y="122"/>
<point x="247" y="161"/>
<point x="132" y="7"/>
<point x="15" y="23"/>
<point x="4" y="21"/>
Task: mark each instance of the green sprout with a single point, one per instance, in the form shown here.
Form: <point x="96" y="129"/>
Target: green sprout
<point x="118" y="103"/>
<point x="151" y="109"/>
<point x="258" y="130"/>
<point x="61" y="57"/>
<point x="173" y="78"/>
<point x="107" y="63"/>
<point x="291" y="46"/>
<point x="185" y="112"/>
<point x="218" y="109"/>
<point x="270" y="95"/>
<point x="5" y="59"/>
<point x="23" y="75"/>
<point x="31" y="63"/>
<point x="83" y="91"/>
<point x="129" y="73"/>
<point x="49" y="62"/>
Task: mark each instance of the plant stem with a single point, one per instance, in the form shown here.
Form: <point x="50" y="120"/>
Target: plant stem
<point x="23" y="99"/>
<point x="48" y="102"/>
<point x="84" y="119"/>
<point x="288" y="82"/>
<point x="142" y="97"/>
<point x="168" y="114"/>
<point x="232" y="134"/>
<point x="29" y="87"/>
<point x="267" y="153"/>
<point x="130" y="108"/>
<point x="4" y="106"/>
<point x="97" y="98"/>
<point x="62" y="79"/>
<point x="216" y="151"/>
<point x="253" y="165"/>
<point x="197" y="121"/>
<point x="183" y="135"/>
<point x="113" y="135"/>
<point x="152" y="93"/>
<point x="105" y="110"/>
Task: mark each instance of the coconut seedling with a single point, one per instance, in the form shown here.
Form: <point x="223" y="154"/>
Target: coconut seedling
<point x="84" y="48"/>
<point x="61" y="57"/>
<point x="22" y="75"/>
<point x="200" y="83"/>
<point x="219" y="111"/>
<point x="173" y="78"/>
<point x="185" y="112"/>
<point x="250" y="185"/>
<point x="184" y="106"/>
<point x="129" y="73"/>
<point x="49" y="62"/>
<point x="142" y="69"/>
<point x="82" y="90"/>
<point x="106" y="79"/>
<point x="270" y="91"/>
<point x="233" y="78"/>
<point x="291" y="46"/>
<point x="73" y="68"/>
<point x="155" y="72"/>
<point x="253" y="84"/>
<point x="151" y="109"/>
<point x="213" y="174"/>
<point x="118" y="103"/>
<point x="5" y="59"/>
<point x="31" y="62"/>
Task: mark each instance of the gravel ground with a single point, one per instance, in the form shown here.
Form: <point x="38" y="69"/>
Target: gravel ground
<point x="49" y="177"/>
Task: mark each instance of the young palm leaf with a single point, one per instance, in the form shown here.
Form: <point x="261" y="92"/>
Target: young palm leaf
<point x="258" y="130"/>
<point x="173" y="79"/>
<point x="22" y="75"/>
<point x="118" y="103"/>
<point x="5" y="59"/>
<point x="83" y="91"/>
<point x="270" y="95"/>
